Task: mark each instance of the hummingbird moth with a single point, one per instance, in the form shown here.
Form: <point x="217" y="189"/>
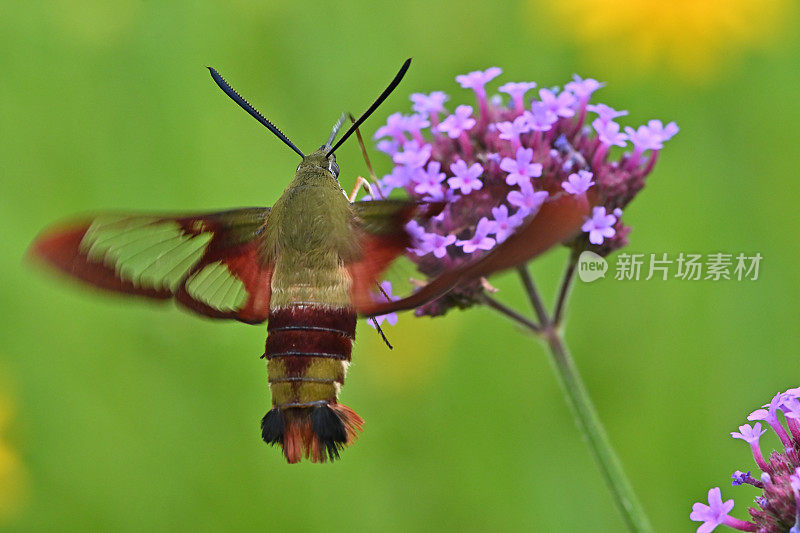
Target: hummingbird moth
<point x="308" y="266"/>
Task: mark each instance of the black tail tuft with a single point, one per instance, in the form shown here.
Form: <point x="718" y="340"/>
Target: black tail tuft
<point x="272" y="427"/>
<point x="329" y="429"/>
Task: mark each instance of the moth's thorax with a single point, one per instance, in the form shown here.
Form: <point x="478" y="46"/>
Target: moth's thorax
<point x="309" y="239"/>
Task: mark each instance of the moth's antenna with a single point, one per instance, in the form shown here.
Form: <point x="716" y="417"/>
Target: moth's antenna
<point x="244" y="104"/>
<point x="336" y="128"/>
<point x="386" y="92"/>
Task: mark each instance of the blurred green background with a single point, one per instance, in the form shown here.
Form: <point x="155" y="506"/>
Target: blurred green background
<point x="124" y="416"/>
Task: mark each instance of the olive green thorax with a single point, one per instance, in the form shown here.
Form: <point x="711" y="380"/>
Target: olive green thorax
<point x="309" y="237"/>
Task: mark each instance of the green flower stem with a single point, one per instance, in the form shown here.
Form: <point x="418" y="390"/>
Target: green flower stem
<point x="576" y="394"/>
<point x="533" y="294"/>
<point x="592" y="429"/>
<point x="566" y="285"/>
<point x="505" y="310"/>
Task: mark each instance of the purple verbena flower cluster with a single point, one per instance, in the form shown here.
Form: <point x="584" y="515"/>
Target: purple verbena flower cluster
<point x="495" y="165"/>
<point x="777" y="509"/>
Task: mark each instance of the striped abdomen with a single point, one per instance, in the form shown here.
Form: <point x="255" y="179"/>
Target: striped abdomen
<point x="308" y="352"/>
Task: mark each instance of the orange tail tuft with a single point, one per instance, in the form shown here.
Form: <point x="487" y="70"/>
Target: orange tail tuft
<point x="317" y="433"/>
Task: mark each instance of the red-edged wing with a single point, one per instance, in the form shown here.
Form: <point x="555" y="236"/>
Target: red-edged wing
<point x="382" y="237"/>
<point x="210" y="263"/>
<point x="557" y="220"/>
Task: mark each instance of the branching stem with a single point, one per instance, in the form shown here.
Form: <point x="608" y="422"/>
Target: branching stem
<point x="586" y="418"/>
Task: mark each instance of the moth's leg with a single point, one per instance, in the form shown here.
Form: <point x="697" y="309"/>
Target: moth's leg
<point x="383" y="336"/>
<point x="375" y="322"/>
<point x="361" y="182"/>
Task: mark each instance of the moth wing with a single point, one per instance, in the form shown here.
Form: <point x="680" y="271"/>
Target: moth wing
<point x="557" y="220"/>
<point x="382" y="236"/>
<point x="210" y="263"/>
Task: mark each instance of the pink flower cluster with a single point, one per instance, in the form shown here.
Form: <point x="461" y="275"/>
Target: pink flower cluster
<point x="496" y="165"/>
<point x="777" y="509"/>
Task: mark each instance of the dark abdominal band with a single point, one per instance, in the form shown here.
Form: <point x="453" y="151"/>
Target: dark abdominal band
<point x="308" y="348"/>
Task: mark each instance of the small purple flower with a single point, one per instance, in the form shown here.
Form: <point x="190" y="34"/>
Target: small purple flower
<point x="413" y="155"/>
<point x="458" y="122"/>
<point x="517" y="92"/>
<point x="788" y="401"/>
<point x="579" y="182"/>
<point x="428" y="104"/>
<point x="430" y="181"/>
<point x="503" y="225"/>
<point x="433" y="242"/>
<point x="415" y="231"/>
<point x="478" y="79"/>
<point x="391" y="318"/>
<point x="540" y="118"/>
<point x="643" y="139"/>
<point x="751" y="435"/>
<point x="515" y="89"/>
<point x="600" y="226"/>
<point x="770" y="415"/>
<point x="713" y="514"/>
<point x="388" y="146"/>
<point x="395" y="126"/>
<point x="795" y="392"/>
<point x="521" y="169"/>
<point x="665" y="133"/>
<point x="414" y="123"/>
<point x="422" y="247"/>
<point x="608" y="132"/>
<point x="561" y="105"/>
<point x="740" y="478"/>
<point x="466" y="178"/>
<point x="583" y="88"/>
<point x="400" y="176"/>
<point x="479" y="241"/>
<point x="526" y="199"/>
<point x="605" y="113"/>
<point x="791" y="409"/>
<point x="378" y="191"/>
<point x="511" y="131"/>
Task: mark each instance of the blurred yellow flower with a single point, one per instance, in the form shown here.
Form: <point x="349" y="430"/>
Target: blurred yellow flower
<point x="691" y="37"/>
<point x="12" y="475"/>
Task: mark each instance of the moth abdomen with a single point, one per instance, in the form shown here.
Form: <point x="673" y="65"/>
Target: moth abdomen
<point x="308" y="351"/>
